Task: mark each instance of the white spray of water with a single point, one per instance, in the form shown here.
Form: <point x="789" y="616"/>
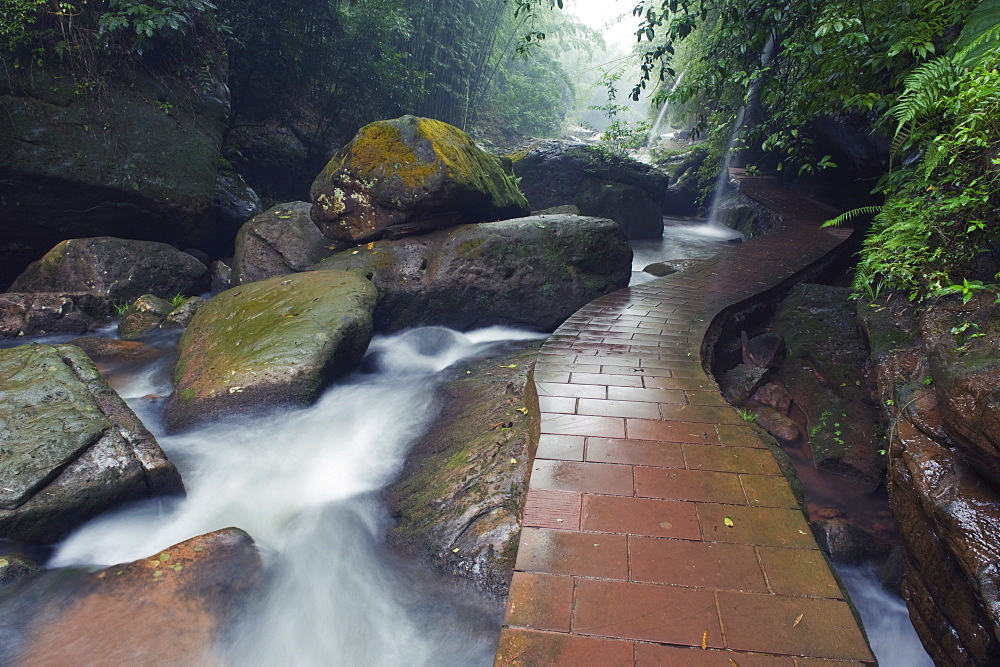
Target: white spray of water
<point x="654" y="131"/>
<point x="304" y="484"/>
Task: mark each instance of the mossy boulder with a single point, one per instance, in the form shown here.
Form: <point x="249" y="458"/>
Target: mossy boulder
<point x="120" y="269"/>
<point x="410" y="175"/>
<point x="70" y="446"/>
<point x="125" y="151"/>
<point x="281" y="240"/>
<point x="143" y="316"/>
<point x="556" y="173"/>
<point x="458" y="502"/>
<point x="530" y="272"/>
<point x="176" y="604"/>
<point x="275" y="342"/>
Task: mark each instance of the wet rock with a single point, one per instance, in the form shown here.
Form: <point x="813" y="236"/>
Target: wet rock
<point x="143" y="316"/>
<point x="533" y="272"/>
<point x="891" y="576"/>
<point x="72" y="448"/>
<point x="777" y="424"/>
<point x="824" y="375"/>
<point x="181" y="316"/>
<point x="120" y="269"/>
<point x="410" y="175"/>
<point x="458" y="501"/>
<point x="15" y="566"/>
<point x="171" y="607"/>
<point x="112" y="352"/>
<point x="844" y="542"/>
<point x="555" y="173"/>
<point x="279" y="241"/>
<point x="774" y="395"/>
<point x="30" y="314"/>
<point x="233" y="203"/>
<point x="221" y="276"/>
<point x="275" y="342"/>
<point x="659" y="269"/>
<point x="739" y="383"/>
<point x="963" y="348"/>
<point x="766" y="350"/>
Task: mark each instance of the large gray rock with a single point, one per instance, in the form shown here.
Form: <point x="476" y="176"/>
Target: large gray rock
<point x="275" y="342"/>
<point x="281" y="240"/>
<point x="36" y="314"/>
<point x="555" y="173"/>
<point x="409" y="175"/>
<point x="71" y="447"/>
<point x="531" y="272"/>
<point x="131" y="156"/>
<point x="120" y="269"/>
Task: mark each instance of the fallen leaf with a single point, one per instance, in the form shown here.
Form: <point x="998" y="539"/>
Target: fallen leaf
<point x="704" y="641"/>
<point x="734" y="663"/>
<point x="511" y="366"/>
<point x="371" y="245"/>
<point x="455" y="550"/>
<point x="597" y="545"/>
<point x="513" y="461"/>
<point x="798" y="620"/>
<point x="728" y="521"/>
<point x="666" y="524"/>
<point x="523" y="411"/>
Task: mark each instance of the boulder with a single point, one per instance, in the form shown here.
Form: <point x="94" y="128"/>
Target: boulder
<point x="181" y="316"/>
<point x="824" y="375"/>
<point x="530" y="272"/>
<point x="275" y="342"/>
<point x="124" y="153"/>
<point x="170" y="608"/>
<point x="14" y="566"/>
<point x="112" y="351"/>
<point x="281" y="240"/>
<point x="777" y="424"/>
<point x="845" y="542"/>
<point x="766" y="350"/>
<point x="739" y="383"/>
<point x="233" y="203"/>
<point x="143" y="316"/>
<point x="120" y="269"/>
<point x="774" y="395"/>
<point x="410" y="175"/>
<point x="457" y="503"/>
<point x="37" y="314"/>
<point x="221" y="276"/>
<point x="71" y="447"/>
<point x="555" y="173"/>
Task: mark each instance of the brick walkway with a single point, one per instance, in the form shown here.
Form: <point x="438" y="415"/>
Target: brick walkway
<point x="658" y="529"/>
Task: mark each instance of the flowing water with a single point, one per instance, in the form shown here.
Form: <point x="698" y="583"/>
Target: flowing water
<point x="305" y="484"/>
<point x="683" y="238"/>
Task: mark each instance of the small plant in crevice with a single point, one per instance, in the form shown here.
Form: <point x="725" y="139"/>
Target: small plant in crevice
<point x="964" y="333"/>
<point x="121" y="308"/>
<point x="178" y="300"/>
<point x="747" y="415"/>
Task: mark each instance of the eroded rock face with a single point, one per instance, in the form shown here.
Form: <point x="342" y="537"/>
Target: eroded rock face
<point x="533" y="272"/>
<point x="410" y="175"/>
<point x="555" y="173"/>
<point x="120" y="269"/>
<point x="71" y="447"/>
<point x="281" y="240"/>
<point x="169" y="608"/>
<point x="823" y="373"/>
<point x="458" y="501"/>
<point x="136" y="160"/>
<point x="947" y="509"/>
<point x="274" y="342"/>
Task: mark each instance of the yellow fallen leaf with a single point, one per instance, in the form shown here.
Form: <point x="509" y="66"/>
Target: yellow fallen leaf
<point x="371" y="245"/>
<point x="734" y="663"/>
<point x="728" y="521"/>
<point x="455" y="550"/>
<point x="511" y="366"/>
<point x="523" y="411"/>
<point x="513" y="461"/>
<point x="798" y="620"/>
<point x="704" y="641"/>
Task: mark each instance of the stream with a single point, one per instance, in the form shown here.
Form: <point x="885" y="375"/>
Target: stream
<point x="305" y="484"/>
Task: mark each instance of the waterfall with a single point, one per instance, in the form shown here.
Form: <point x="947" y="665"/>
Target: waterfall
<point x="654" y="131"/>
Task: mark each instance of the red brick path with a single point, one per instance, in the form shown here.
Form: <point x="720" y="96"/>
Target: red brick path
<point x="658" y="529"/>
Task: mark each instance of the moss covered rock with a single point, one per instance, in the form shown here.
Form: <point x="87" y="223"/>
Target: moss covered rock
<point x="458" y="501"/>
<point x="120" y="269"/>
<point x="409" y="175"/>
<point x="530" y="272"/>
<point x="70" y="446"/>
<point x="282" y="239"/>
<point x="274" y="342"/>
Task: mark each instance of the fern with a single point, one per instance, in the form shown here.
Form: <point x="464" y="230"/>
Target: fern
<point x="925" y="88"/>
<point x="981" y="33"/>
<point x="851" y="215"/>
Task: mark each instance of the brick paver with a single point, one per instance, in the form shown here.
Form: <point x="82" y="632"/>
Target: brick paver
<point x="658" y="529"/>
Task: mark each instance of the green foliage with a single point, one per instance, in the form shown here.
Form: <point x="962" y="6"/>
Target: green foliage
<point x="747" y="415"/>
<point x="143" y="23"/>
<point x="16" y="20"/>
<point x="621" y="135"/>
<point x="177" y="300"/>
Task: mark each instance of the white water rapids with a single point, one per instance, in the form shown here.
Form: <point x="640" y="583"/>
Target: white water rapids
<point x="304" y="483"/>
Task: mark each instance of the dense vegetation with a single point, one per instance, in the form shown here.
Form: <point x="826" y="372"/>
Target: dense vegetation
<point x="329" y="65"/>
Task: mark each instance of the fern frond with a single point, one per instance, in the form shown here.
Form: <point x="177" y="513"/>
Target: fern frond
<point x="981" y="32"/>
<point x="925" y="88"/>
<point x="850" y="215"/>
